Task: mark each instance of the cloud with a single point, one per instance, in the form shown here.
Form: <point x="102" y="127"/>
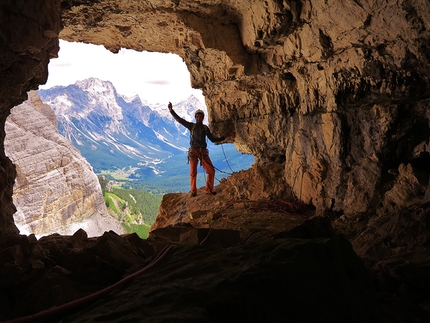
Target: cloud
<point x="158" y="82"/>
<point x="58" y="64"/>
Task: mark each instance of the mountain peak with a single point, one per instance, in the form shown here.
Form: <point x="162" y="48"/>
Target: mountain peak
<point x="132" y="98"/>
<point x="192" y="99"/>
<point x="95" y="85"/>
<point x="185" y="108"/>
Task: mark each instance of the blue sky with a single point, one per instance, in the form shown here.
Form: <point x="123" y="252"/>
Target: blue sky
<point x="155" y="77"/>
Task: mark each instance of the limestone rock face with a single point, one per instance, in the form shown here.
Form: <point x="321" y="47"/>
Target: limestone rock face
<point x="55" y="185"/>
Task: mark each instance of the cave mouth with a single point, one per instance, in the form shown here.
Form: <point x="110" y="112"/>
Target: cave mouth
<point x="64" y="72"/>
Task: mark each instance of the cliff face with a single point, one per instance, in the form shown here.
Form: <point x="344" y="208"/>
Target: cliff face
<point x="55" y="186"/>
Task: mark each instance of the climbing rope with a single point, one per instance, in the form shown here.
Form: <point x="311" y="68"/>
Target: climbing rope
<point x="73" y="306"/>
<point x="219" y="170"/>
<point x="226" y="160"/>
<point x="207" y="236"/>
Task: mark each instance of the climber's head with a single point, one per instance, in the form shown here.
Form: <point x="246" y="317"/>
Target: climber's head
<point x="199" y="115"/>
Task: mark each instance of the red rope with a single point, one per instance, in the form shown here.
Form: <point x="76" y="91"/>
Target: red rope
<point x="56" y="311"/>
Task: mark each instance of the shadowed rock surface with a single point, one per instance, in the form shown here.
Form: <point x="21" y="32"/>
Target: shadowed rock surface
<point x="218" y="278"/>
<point x="261" y="282"/>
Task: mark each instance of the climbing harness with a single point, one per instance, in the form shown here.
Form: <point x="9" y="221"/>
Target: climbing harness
<point x="202" y="152"/>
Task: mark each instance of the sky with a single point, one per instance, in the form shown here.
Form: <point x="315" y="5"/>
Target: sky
<point x="155" y="77"/>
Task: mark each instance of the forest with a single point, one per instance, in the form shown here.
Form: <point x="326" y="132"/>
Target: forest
<point x="135" y="209"/>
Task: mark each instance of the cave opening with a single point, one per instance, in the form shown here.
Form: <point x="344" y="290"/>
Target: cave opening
<point x="84" y="74"/>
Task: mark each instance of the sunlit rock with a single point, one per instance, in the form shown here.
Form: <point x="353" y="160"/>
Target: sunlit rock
<point x="55" y="186"/>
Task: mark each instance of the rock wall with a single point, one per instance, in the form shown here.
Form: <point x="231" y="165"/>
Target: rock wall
<point x="55" y="186"/>
<point x="333" y="92"/>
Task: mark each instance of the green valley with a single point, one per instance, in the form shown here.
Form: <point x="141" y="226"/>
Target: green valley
<point x="135" y="209"/>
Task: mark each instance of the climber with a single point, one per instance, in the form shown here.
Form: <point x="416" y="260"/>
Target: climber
<point x="198" y="150"/>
